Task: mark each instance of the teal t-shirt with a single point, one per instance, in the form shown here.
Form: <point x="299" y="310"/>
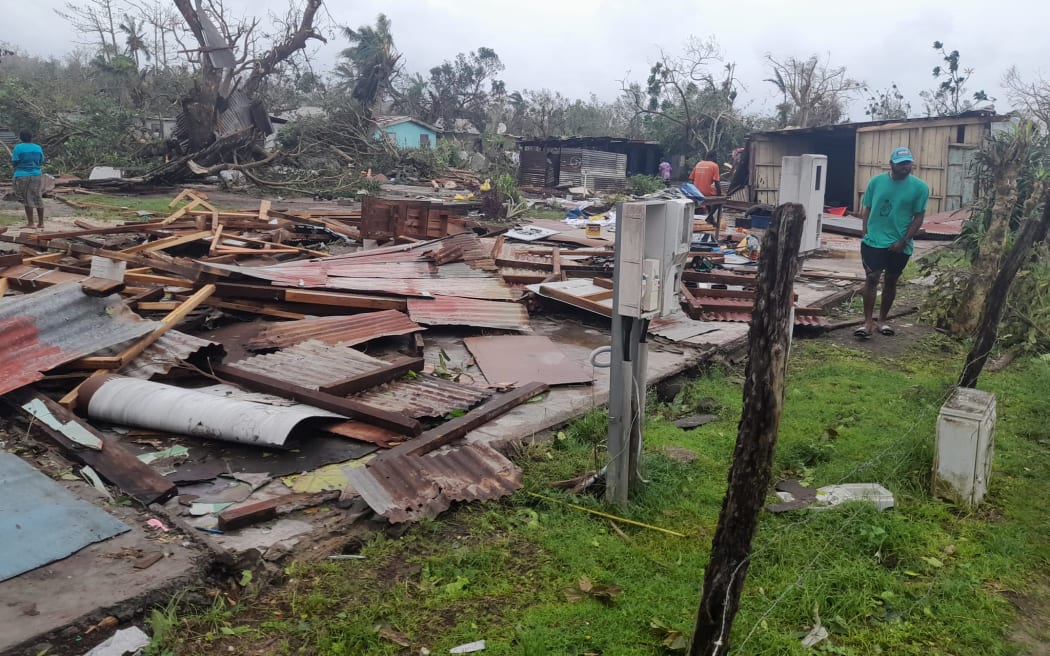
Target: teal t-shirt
<point x="893" y="204"/>
<point x="27" y="158"/>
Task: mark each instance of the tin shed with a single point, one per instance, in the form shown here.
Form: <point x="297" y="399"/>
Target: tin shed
<point x="943" y="147"/>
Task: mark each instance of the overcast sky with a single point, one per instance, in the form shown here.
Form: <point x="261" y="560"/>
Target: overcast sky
<point x="579" y="47"/>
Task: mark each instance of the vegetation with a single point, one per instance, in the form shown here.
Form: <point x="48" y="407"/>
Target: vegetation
<point x="951" y="97"/>
<point x="534" y="576"/>
<point x="813" y="92"/>
<point x="640" y="185"/>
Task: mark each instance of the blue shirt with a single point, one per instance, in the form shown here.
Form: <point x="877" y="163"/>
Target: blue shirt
<point x="893" y="205"/>
<point x="27" y="158"/>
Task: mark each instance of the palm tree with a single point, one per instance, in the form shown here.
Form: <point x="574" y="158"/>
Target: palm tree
<point x="370" y="63"/>
<point x="135" y="40"/>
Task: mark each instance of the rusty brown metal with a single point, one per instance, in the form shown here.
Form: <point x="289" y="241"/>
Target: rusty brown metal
<point x="411" y="488"/>
<point x="423" y="396"/>
<point x="312" y="363"/>
<point x="452" y="311"/>
<point x="347" y="330"/>
<point x="58" y="325"/>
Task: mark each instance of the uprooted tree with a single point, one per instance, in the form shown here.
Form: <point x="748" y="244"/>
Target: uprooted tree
<point x="233" y="63"/>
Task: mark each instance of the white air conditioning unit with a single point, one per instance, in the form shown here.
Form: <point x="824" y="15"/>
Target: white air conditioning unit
<point x="802" y="180"/>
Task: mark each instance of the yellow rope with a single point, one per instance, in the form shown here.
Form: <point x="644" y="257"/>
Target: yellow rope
<point x="608" y="516"/>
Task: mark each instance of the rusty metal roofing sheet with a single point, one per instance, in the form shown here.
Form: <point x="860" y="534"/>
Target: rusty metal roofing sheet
<point x="411" y="488"/>
<point x="491" y="288"/>
<point x="311" y="363"/>
<point x="347" y="330"/>
<point x="57" y="325"/>
<point x="423" y="396"/>
<point x="452" y="311"/>
<point x="745" y="317"/>
<point x="520" y="359"/>
<point x="164" y="354"/>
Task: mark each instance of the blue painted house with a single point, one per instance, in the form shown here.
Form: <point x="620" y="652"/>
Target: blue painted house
<point x="406" y="132"/>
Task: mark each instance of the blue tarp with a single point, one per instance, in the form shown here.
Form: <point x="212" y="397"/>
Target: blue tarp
<point x="41" y="521"/>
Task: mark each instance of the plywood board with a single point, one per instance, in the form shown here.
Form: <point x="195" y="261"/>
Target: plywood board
<point x="518" y="359"/>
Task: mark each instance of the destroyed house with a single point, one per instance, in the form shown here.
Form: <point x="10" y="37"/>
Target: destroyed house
<point x="406" y="132"/>
<point x="598" y="163"/>
<point x="944" y="149"/>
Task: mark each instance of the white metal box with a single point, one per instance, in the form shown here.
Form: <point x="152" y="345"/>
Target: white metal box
<point x="802" y="180"/>
<point x="652" y="246"/>
<point x="962" y="464"/>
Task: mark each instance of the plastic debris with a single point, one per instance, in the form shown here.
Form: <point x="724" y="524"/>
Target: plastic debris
<point x="157" y="524"/>
<point x="469" y="648"/>
<point x="832" y="495"/>
<point x="121" y="643"/>
<point x="177" y="451"/>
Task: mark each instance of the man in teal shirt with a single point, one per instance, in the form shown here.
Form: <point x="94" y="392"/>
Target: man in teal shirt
<point x="894" y="207"/>
<point x="27" y="158"/>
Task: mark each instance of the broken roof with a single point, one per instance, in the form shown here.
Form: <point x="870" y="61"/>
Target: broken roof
<point x="58" y="325"/>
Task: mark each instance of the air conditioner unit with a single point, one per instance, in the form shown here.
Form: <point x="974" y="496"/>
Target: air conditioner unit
<point x="802" y="180"/>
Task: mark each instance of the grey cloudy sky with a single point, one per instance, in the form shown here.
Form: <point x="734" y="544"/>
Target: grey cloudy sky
<point x="579" y="47"/>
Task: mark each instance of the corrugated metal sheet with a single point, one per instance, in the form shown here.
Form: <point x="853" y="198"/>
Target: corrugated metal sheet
<point x="490" y="288"/>
<point x="597" y="170"/>
<point x="410" y="488"/>
<point x="41" y="521"/>
<point x="56" y="325"/>
<point x="452" y="311"/>
<point x="163" y="355"/>
<point x="745" y="317"/>
<point x="311" y="363"/>
<point x="423" y="396"/>
<point x="346" y="330"/>
<point x="155" y="406"/>
<point x="679" y="326"/>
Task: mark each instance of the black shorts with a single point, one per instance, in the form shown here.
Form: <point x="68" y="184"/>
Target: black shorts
<point x="883" y="259"/>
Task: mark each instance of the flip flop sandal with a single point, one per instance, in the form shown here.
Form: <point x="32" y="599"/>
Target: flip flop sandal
<point x="887" y="330"/>
<point x="862" y="333"/>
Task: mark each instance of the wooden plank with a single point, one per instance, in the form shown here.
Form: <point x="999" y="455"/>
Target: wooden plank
<point x="153" y="279"/>
<point x="3" y="287"/>
<point x="148" y="295"/>
<point x="264" y="211"/>
<point x="455" y="429"/>
<point x="255" y="308"/>
<point x="168" y="242"/>
<point x="355" y="409"/>
<point x="253" y="513"/>
<point x="355" y="384"/>
<point x="181" y="212"/>
<point x="215" y="240"/>
<point x="113" y="462"/>
<point x="719" y="278"/>
<point x="10" y="260"/>
<point x="578" y="301"/>
<point x="359" y="301"/>
<point x="100" y="287"/>
<point x="158" y="306"/>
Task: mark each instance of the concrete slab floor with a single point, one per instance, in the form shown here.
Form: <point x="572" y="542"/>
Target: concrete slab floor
<point x="62" y="600"/>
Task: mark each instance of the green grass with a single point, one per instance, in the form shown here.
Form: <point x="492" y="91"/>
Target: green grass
<point x="923" y="578"/>
<point x="538" y="213"/>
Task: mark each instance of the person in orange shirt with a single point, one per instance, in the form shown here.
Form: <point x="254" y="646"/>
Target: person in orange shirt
<point x="705" y="176"/>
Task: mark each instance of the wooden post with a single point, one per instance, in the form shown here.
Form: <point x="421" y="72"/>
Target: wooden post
<point x="756" y="434"/>
<point x="1032" y="232"/>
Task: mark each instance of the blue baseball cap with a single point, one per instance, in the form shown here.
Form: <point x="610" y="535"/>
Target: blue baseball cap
<point x="901" y="154"/>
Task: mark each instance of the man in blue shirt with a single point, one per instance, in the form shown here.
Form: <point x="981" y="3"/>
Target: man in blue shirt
<point x="894" y="207"/>
<point x="27" y="158"/>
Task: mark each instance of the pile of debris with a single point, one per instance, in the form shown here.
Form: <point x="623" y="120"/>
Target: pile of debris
<point x="255" y="362"/>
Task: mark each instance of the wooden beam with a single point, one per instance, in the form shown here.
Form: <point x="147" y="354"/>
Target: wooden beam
<point x="455" y="429"/>
<point x="255" y="308"/>
<point x="358" y="301"/>
<point x="100" y="287"/>
<point x="264" y="211"/>
<point x="153" y="279"/>
<point x="215" y="240"/>
<point x="395" y="421"/>
<point x="10" y="260"/>
<point x="355" y="384"/>
<point x="168" y="242"/>
<point x="113" y="462"/>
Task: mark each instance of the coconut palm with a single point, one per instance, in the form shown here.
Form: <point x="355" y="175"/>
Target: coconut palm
<point x="134" y="39"/>
<point x="371" y="63"/>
